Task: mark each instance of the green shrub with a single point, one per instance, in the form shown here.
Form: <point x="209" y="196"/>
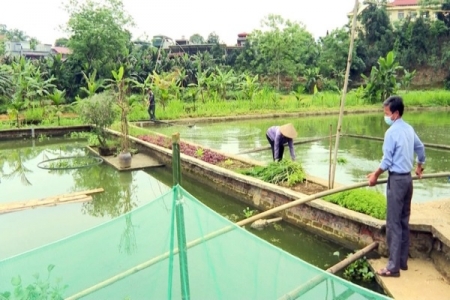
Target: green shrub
<point x="365" y="201"/>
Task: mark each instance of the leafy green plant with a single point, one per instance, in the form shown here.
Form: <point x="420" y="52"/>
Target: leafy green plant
<point x="285" y="172"/>
<point x="228" y="162"/>
<point x="99" y="111"/>
<point x="40" y="289"/>
<point x="359" y="270"/>
<point x="365" y="201"/>
<point x="199" y="153"/>
<point x="248" y="212"/>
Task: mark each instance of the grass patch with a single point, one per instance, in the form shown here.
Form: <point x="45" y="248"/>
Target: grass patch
<point x="365" y="201"/>
<point x="323" y="101"/>
<point x="285" y="172"/>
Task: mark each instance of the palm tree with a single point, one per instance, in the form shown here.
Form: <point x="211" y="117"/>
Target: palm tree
<point x="19" y="169"/>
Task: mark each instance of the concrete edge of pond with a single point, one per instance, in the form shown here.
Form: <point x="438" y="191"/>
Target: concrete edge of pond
<point x="287" y="115"/>
<point x="34" y="132"/>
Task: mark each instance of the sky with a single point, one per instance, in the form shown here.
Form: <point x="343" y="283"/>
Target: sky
<point x="176" y="18"/>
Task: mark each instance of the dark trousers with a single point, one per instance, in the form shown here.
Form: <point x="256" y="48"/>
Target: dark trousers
<point x="399" y="194"/>
<point x="151" y="111"/>
<point x="280" y="152"/>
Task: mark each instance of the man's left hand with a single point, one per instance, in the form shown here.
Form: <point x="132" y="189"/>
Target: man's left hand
<point x="419" y="171"/>
<point x="373" y="178"/>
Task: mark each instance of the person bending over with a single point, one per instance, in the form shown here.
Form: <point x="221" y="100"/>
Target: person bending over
<point x="278" y="136"/>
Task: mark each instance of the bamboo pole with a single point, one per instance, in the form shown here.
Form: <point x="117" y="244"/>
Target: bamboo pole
<point x="226" y="229"/>
<point x="428" y="145"/>
<point x="344" y="92"/>
<point x="297" y="142"/>
<point x="179" y="213"/>
<point x="77" y="199"/>
<point x="54" y="200"/>
<point x="331" y="151"/>
<point x="326" y="193"/>
<point x="305" y="287"/>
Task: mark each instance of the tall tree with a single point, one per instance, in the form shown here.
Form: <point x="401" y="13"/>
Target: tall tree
<point x="197" y="39"/>
<point x="285" y="48"/>
<point x="33" y="43"/>
<point x="61" y="42"/>
<point x="213" y="38"/>
<point x="377" y="32"/>
<point x="98" y="33"/>
<point x="333" y="54"/>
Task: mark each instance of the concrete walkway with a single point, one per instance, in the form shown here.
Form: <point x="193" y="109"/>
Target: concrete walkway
<point x="422" y="280"/>
<point x="139" y="161"/>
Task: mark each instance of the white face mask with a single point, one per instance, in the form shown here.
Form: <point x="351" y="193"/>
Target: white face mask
<point x="388" y="120"/>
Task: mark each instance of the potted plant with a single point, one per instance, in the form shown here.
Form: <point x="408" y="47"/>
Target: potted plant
<point x="98" y="110"/>
<point x="120" y="85"/>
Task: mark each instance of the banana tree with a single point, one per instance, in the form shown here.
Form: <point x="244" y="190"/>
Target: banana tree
<point x="120" y="84"/>
<point x="312" y="77"/>
<point x="58" y="106"/>
<point x="299" y="95"/>
<point x="249" y="86"/>
<point x="382" y="81"/>
<point x="6" y="83"/>
<point x="93" y="85"/>
<point x="222" y="80"/>
<point x="407" y="78"/>
<point x="164" y="83"/>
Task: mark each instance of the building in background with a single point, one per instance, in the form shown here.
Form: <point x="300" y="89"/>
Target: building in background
<point x="38" y="51"/>
<point x="242" y="39"/>
<point x="399" y="10"/>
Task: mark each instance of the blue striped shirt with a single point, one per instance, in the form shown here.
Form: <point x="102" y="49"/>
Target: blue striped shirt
<point x="400" y="143"/>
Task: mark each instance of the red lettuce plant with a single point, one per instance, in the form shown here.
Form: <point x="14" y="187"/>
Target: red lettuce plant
<point x="207" y="155"/>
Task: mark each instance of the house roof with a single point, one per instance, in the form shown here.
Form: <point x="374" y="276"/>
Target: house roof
<point x="62" y="50"/>
<point x="404" y="3"/>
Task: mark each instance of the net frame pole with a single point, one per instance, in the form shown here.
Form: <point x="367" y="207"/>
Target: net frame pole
<point x="179" y="211"/>
<point x="226" y="229"/>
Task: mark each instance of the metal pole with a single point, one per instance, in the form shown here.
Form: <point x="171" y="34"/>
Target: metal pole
<point x="179" y="211"/>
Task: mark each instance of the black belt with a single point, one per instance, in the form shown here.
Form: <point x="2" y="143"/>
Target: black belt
<point x="399" y="174"/>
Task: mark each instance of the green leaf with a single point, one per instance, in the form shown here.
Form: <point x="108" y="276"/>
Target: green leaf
<point x="50" y="268"/>
<point x="16" y="281"/>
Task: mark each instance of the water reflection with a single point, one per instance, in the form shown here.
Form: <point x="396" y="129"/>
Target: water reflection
<point x="16" y="165"/>
<point x="127" y="242"/>
<point x="361" y="156"/>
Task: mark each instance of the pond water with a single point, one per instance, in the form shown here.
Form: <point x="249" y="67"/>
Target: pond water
<point x="21" y="180"/>
<point x="358" y="156"/>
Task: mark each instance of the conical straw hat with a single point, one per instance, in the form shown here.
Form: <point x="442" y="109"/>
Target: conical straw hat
<point x="288" y="131"/>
